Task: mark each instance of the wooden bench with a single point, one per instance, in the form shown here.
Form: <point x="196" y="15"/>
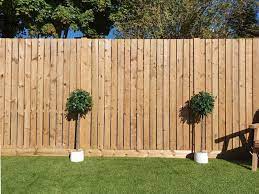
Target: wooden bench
<point x="255" y="146"/>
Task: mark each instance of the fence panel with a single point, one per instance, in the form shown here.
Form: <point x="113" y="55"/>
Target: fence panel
<point x="140" y="90"/>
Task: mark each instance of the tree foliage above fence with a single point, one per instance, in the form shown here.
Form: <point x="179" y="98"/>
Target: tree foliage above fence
<point x="54" y="17"/>
<point x="185" y="19"/>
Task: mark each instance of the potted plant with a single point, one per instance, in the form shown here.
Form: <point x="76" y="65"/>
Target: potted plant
<point x="79" y="103"/>
<point x="201" y="105"/>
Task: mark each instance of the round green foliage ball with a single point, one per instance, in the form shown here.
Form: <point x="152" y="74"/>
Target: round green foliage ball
<point x="78" y="102"/>
<point x="202" y="104"/>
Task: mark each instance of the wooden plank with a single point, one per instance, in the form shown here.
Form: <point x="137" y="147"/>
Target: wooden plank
<point x="107" y="94"/>
<point x="215" y="86"/>
<point x="2" y="89"/>
<point x="53" y="92"/>
<point x="199" y="82"/>
<point x="159" y="93"/>
<point x="78" y="64"/>
<point x="46" y="92"/>
<point x="86" y="81"/>
<point x="222" y="91"/>
<point x="121" y="67"/>
<point x="249" y="82"/>
<point x="179" y="97"/>
<point x="133" y="94"/>
<point x="34" y="69"/>
<point x="101" y="95"/>
<point x="140" y="95"/>
<point x="235" y="89"/>
<point x="173" y="94"/>
<point x="255" y="78"/>
<point x="27" y="92"/>
<point x="153" y="74"/>
<point x="209" y="89"/>
<point x="166" y="97"/>
<point x="7" y="83"/>
<point x="40" y="90"/>
<point x="60" y="70"/>
<point x="126" y="101"/>
<point x="186" y="93"/>
<point x="114" y="95"/>
<point x="242" y="87"/>
<point x="73" y="86"/>
<point x="66" y="79"/>
<point x="229" y="97"/>
<point x="147" y="66"/>
<point x="14" y="88"/>
<point x="20" y="135"/>
<point x="94" y="66"/>
<point x="191" y="89"/>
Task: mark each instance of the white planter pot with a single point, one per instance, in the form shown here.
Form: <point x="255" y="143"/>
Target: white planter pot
<point x="77" y="156"/>
<point x="201" y="157"/>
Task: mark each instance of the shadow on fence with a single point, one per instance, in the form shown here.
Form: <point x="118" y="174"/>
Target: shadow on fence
<point x="242" y="154"/>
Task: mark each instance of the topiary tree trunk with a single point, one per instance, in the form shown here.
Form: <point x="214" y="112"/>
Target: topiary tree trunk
<point x="77" y="131"/>
<point x="203" y="134"/>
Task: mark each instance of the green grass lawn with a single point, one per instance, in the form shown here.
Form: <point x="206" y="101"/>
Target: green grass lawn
<point x="125" y="175"/>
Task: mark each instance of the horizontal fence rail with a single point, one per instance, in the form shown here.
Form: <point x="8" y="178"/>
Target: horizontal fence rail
<point x="140" y="90"/>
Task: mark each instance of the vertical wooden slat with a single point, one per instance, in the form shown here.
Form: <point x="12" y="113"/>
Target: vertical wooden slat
<point x="186" y="82"/>
<point x="73" y="86"/>
<point x="179" y="97"/>
<point x="121" y="67"/>
<point x="60" y="70"/>
<point x="46" y="92"/>
<point x="191" y="91"/>
<point x="53" y="92"/>
<point x="94" y="121"/>
<point x="66" y="79"/>
<point x="242" y="87"/>
<point x="153" y="74"/>
<point x="166" y="90"/>
<point x="229" y="97"/>
<point x="222" y="91"/>
<point x="215" y="86"/>
<point x="249" y="82"/>
<point x="21" y="67"/>
<point x="8" y="85"/>
<point x="199" y="82"/>
<point x="14" y="91"/>
<point x="147" y="66"/>
<point x="101" y="95"/>
<point x="86" y="80"/>
<point x="235" y="90"/>
<point x="209" y="89"/>
<point x="140" y="95"/>
<point x="133" y="93"/>
<point x="2" y="89"/>
<point x="255" y="79"/>
<point x="78" y="64"/>
<point x="114" y="95"/>
<point x="27" y="92"/>
<point x="159" y="116"/>
<point x="107" y="94"/>
<point x="173" y="94"/>
<point x="126" y="105"/>
<point x="34" y="69"/>
<point x="40" y="90"/>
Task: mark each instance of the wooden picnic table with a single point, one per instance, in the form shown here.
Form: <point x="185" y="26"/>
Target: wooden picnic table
<point x="255" y="146"/>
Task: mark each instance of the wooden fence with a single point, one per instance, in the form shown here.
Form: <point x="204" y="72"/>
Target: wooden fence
<point x="139" y="88"/>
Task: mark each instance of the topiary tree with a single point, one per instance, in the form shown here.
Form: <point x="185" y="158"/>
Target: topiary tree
<point x="79" y="103"/>
<point x="201" y="105"/>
